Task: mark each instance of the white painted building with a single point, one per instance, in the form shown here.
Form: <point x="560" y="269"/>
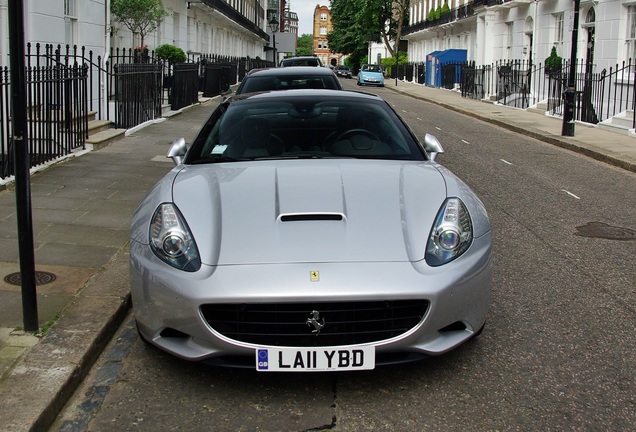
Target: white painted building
<point x="377" y="52"/>
<point x="58" y="22"/>
<point x="224" y="27"/>
<point x="494" y="30"/>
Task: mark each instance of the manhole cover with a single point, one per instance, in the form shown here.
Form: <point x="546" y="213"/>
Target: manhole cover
<point x="605" y="231"/>
<point x="41" y="278"/>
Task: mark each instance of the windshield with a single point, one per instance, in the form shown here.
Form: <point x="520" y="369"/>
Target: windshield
<point x="304" y="127"/>
<point x="371" y="68"/>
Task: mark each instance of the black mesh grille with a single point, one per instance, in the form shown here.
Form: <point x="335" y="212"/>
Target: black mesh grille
<point x="345" y="323"/>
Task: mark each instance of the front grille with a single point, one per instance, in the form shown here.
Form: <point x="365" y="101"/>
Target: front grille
<point x="345" y="323"/>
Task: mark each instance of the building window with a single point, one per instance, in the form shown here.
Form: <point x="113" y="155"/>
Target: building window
<point x="509" y="39"/>
<point x="323" y="16"/>
<point x="323" y="31"/>
<point x="558" y="29"/>
<point x="70" y="21"/>
<point x="631" y="32"/>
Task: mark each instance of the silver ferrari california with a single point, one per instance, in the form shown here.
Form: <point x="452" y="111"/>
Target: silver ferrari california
<point x="309" y="230"/>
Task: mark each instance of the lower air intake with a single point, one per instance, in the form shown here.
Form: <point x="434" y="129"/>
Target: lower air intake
<point x="335" y="324"/>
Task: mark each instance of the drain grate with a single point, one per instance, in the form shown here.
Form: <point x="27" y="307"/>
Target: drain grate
<point x="41" y="278"/>
<point x="605" y="231"/>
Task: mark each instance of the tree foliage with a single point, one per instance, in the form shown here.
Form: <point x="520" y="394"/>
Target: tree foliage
<point x="305" y="45"/>
<point x="139" y="16"/>
<point x="389" y="62"/>
<point x="358" y="22"/>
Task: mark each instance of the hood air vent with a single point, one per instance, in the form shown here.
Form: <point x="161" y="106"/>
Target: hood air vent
<point x="312" y="217"/>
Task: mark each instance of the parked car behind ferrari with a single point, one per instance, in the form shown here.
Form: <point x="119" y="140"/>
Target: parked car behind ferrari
<point x="371" y="74"/>
<point x="343" y="71"/>
<point x="299" y="77"/>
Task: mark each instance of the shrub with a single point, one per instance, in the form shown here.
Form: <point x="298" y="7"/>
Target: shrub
<point x="553" y="63"/>
<point x="170" y="53"/>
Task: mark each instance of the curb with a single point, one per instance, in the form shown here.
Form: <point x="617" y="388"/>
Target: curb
<point x="68" y="351"/>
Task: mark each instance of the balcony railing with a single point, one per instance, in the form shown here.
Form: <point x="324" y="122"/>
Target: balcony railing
<point x="456" y="14"/>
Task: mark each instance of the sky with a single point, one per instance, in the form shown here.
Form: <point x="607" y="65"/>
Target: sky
<point x="305" y="11"/>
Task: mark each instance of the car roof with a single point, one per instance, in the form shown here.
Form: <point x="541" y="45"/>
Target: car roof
<point x="300" y="59"/>
<point x="323" y="93"/>
<point x="296" y="70"/>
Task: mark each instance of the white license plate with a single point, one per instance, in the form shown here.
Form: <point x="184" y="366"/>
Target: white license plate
<point x="314" y="359"/>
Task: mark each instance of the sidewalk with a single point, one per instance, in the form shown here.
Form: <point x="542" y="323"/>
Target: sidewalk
<point x="82" y="209"/>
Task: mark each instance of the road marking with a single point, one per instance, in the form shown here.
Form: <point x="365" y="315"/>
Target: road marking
<point x="570" y="193"/>
<point x="505" y="161"/>
<point x="465" y="142"/>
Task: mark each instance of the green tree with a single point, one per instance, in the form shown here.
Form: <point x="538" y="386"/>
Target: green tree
<point x="139" y="16"/>
<point x="305" y="45"/>
<point x="358" y="22"/>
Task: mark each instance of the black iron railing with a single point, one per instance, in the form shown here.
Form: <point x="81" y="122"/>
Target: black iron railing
<point x="57" y="105"/>
<point x="102" y="96"/>
<point x="185" y="88"/>
<point x="521" y="84"/>
<point x="137" y="90"/>
<point x="66" y="86"/>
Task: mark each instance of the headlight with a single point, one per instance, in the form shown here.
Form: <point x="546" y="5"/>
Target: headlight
<point x="171" y="241"/>
<point x="451" y="235"/>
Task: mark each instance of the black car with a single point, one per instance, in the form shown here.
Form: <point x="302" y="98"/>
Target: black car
<point x="300" y="77"/>
<point x="343" y="71"/>
<point x="301" y="61"/>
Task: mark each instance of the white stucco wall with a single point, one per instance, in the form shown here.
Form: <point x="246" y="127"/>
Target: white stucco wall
<point x="484" y="35"/>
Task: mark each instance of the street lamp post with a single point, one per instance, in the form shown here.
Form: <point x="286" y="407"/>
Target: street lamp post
<point x="567" y="128"/>
<point x="273" y="26"/>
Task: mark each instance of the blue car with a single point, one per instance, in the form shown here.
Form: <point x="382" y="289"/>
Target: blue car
<point x="371" y="74"/>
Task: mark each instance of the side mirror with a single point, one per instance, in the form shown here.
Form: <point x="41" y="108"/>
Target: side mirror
<point x="432" y="146"/>
<point x="177" y="151"/>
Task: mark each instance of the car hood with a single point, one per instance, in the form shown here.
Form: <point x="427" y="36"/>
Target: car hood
<point x="310" y="211"/>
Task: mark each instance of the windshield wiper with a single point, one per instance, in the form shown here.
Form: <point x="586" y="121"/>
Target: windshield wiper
<point x="219" y="159"/>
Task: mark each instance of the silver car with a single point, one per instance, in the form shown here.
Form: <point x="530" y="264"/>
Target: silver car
<point x="309" y="230"/>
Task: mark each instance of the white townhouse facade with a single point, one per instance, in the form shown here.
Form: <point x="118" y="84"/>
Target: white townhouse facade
<point x="495" y="30"/>
<point x="58" y="22"/>
<point x="224" y="27"/>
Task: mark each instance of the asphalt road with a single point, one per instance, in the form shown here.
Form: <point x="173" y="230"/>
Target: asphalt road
<point x="558" y="352"/>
